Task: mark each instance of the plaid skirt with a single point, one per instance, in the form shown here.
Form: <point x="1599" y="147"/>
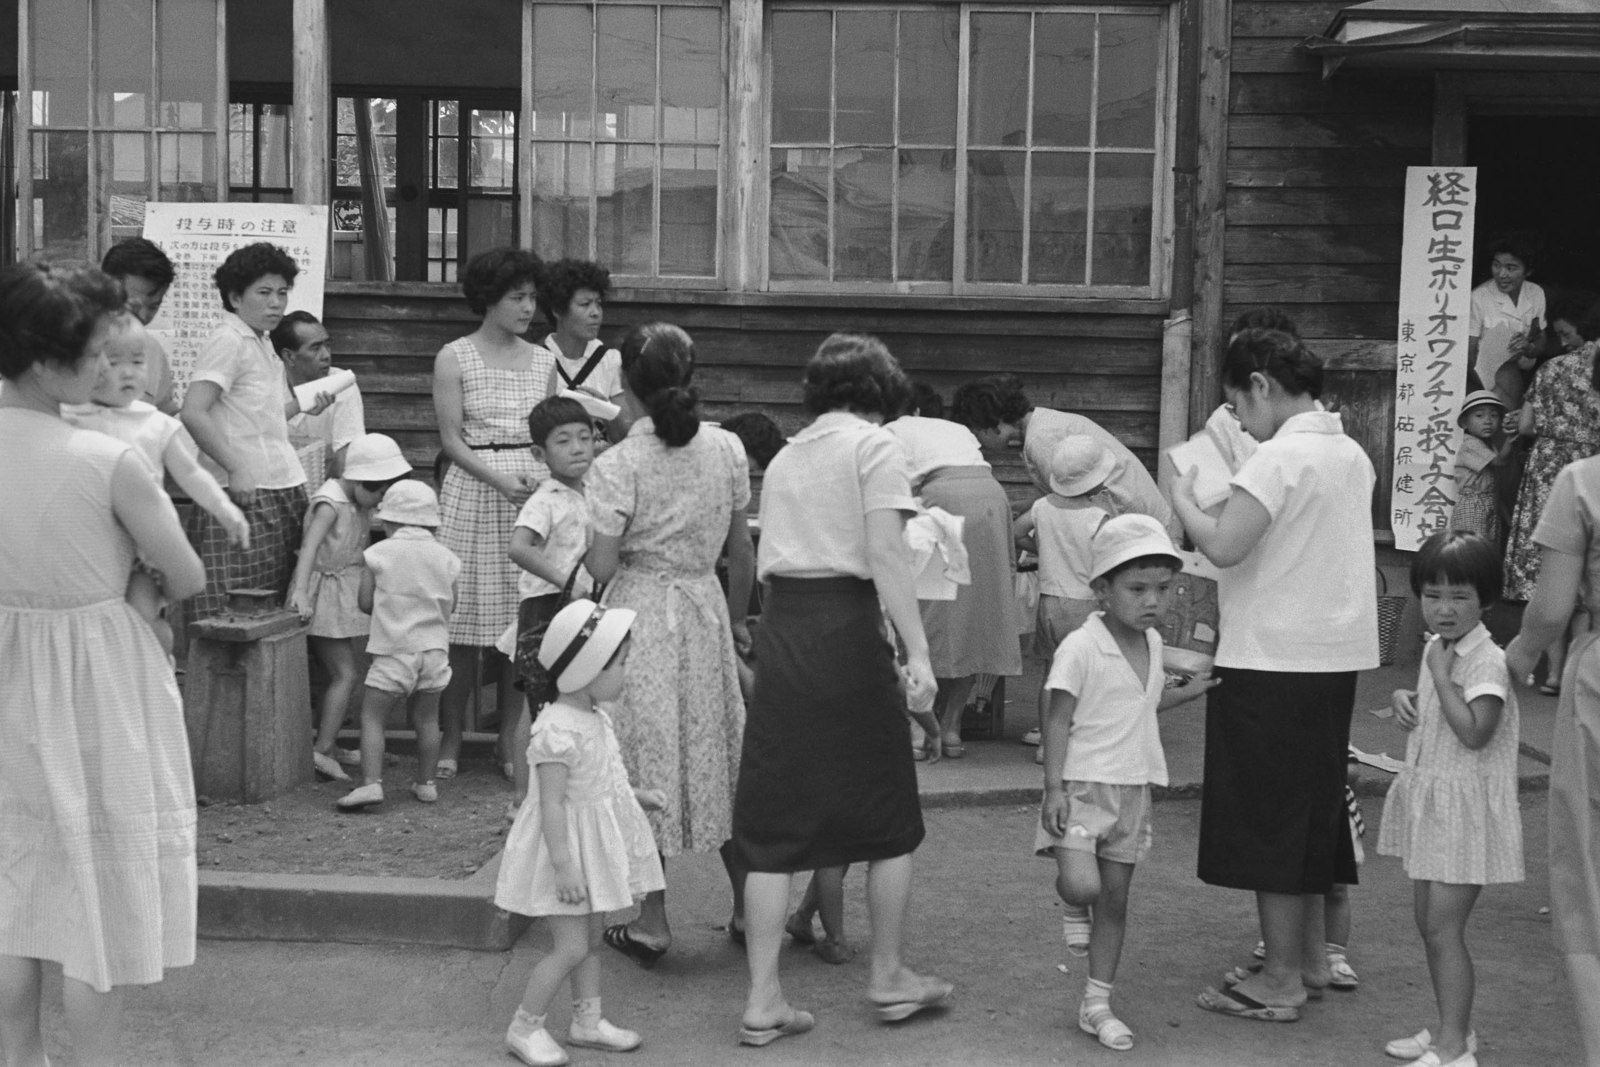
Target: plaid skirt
<point x="476" y="525"/>
<point x="275" y="528"/>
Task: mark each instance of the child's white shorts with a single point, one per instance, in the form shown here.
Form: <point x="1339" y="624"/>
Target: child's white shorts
<point x="1111" y="821"/>
<point x="410" y="672"/>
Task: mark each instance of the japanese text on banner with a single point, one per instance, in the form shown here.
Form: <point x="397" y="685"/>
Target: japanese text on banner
<point x="1431" y="354"/>
<point x="198" y="237"/>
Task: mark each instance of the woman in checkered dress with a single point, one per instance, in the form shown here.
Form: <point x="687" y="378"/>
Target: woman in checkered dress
<point x="484" y="385"/>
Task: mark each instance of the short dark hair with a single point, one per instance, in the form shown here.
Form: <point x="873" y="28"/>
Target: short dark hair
<point x="1456" y="557"/>
<point x="1283" y="357"/>
<point x="139" y="257"/>
<point x="551" y="412"/>
<point x="1158" y="559"/>
<point x="48" y="315"/>
<point x="287" y="333"/>
<point x="561" y="281"/>
<point x="492" y="274"/>
<point x="759" y="434"/>
<point x="855" y="372"/>
<point x="245" y="266"/>
<point x="1580" y="309"/>
<point x="657" y="363"/>
<point x="979" y="405"/>
<point x="1264" y="318"/>
<point x="1524" y="244"/>
<point x="925" y="401"/>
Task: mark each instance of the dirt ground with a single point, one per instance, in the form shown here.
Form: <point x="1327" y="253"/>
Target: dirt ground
<point x="303" y="833"/>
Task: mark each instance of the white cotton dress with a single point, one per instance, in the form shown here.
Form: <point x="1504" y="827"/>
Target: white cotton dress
<point x="97" y="815"/>
<point x="607" y="832"/>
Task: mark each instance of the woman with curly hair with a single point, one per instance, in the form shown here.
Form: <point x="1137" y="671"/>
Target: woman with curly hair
<point x="572" y="297"/>
<point x="484" y="385"/>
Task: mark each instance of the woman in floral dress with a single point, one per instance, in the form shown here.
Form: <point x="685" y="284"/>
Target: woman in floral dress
<point x="663" y="504"/>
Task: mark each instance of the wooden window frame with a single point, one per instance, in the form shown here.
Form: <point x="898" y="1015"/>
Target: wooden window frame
<point x="255" y="99"/>
<point x="97" y="225"/>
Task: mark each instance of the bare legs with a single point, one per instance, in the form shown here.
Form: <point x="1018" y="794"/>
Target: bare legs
<point x="577" y="939"/>
<point x="94" y="1020"/>
<point x="464" y="677"/>
<point x="948" y="705"/>
<point x="1084" y="879"/>
<point x="1442" y="911"/>
<point x="376" y="707"/>
<point x="1292" y="927"/>
<point x="338" y="655"/>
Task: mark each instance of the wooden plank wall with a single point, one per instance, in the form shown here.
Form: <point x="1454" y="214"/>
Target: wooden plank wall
<point x="1316" y="173"/>
<point x="1106" y="365"/>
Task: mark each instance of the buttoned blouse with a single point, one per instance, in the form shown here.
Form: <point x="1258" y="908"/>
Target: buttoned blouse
<point x="249" y="413"/>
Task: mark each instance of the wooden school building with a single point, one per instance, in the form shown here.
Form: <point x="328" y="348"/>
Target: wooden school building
<point x="1084" y="194"/>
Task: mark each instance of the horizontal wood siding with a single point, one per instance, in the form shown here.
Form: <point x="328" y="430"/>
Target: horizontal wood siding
<point x="1316" y="171"/>
<point x="1103" y="364"/>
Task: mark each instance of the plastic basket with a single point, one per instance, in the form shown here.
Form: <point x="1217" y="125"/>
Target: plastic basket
<point x="1390" y="608"/>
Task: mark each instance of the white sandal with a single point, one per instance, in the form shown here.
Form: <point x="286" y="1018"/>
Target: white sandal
<point x="1341" y="974"/>
<point x="1111" y="1031"/>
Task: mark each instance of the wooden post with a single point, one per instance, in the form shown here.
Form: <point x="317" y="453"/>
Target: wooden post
<point x="745" y="238"/>
<point x="1449" y="120"/>
<point x="312" y="109"/>
<point x="1210" y="215"/>
<point x="376" y="237"/>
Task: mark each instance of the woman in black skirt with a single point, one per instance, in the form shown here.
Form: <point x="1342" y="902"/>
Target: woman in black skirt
<point x="827" y="777"/>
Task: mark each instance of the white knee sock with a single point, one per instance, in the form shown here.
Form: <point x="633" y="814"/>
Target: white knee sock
<point x="586" y="1012"/>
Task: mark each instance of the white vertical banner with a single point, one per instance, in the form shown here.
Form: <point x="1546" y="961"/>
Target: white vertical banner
<point x="197" y="237"/>
<point x="1431" y="355"/>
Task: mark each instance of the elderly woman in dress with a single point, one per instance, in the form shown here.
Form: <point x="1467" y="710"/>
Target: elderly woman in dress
<point x="827" y="777"/>
<point x="97" y="815"/>
<point x="484" y="385"/>
<point x="664" y="503"/>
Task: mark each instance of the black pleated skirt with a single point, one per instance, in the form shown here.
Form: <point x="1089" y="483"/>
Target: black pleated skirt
<point x="826" y="777"/>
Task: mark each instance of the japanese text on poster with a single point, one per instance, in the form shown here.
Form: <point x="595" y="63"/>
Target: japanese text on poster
<point x="198" y="237"/>
<point x="1431" y="355"/>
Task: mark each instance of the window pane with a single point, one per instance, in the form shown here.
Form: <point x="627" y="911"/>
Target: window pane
<point x="865" y="107"/>
<point x="489" y="224"/>
<point x="625" y="222"/>
<point x="929" y="43"/>
<point x="863" y="210"/>
<point x="446" y="162"/>
<point x="994" y="216"/>
<point x="998" y="85"/>
<point x="446" y="114"/>
<point x="562" y="178"/>
<point x="927" y="214"/>
<point x="1122" y="194"/>
<point x="1059" y="213"/>
<point x="188" y="166"/>
<point x="691" y="76"/>
<point x="802" y="44"/>
<point x="1063" y="79"/>
<point x="1128" y="53"/>
<point x="626" y="87"/>
<point x="60" y="195"/>
<point x="188" y="63"/>
<point x="241" y="144"/>
<point x="689" y="211"/>
<point x="274" y="135"/>
<point x="799" y="214"/>
<point x="60" y="38"/>
<point x="123" y="44"/>
<point x="124" y="180"/>
<point x="563" y="70"/>
<point x="494" y="138"/>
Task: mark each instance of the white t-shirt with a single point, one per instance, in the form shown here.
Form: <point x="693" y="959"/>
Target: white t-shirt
<point x="1303" y="599"/>
<point x="1494" y="320"/>
<point x="413" y="578"/>
<point x="935" y="443"/>
<point x="605" y="379"/>
<point x="560" y="515"/>
<point x="1114" y="738"/>
<point x="1065" y="534"/>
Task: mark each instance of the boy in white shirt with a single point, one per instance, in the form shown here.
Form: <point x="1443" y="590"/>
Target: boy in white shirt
<point x="1102" y="750"/>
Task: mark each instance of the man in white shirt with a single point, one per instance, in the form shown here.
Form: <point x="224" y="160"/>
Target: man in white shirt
<point x="302" y="343"/>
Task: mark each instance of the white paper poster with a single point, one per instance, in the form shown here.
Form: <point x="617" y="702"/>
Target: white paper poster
<point x="198" y="237"/>
<point x="1431" y="355"/>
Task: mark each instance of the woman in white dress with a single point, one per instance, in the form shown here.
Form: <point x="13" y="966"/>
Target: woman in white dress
<point x="97" y="815"/>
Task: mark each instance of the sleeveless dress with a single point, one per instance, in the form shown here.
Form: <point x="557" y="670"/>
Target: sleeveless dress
<point x="476" y="520"/>
<point x="97" y="814"/>
<point x="607" y="832"/>
<point x="335" y="584"/>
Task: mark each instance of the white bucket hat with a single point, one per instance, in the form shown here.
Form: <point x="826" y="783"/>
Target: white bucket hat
<point x="409" y="504"/>
<point x="1079" y="464"/>
<point x="375" y="457"/>
<point x="1477" y="399"/>
<point x="1129" y="537"/>
<point x="581" y="640"/>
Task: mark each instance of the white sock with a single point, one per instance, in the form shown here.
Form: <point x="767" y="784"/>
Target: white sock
<point x="586" y="1012"/>
<point x="1079" y="912"/>
<point x="527" y="1020"/>
<point x="1094" y="989"/>
<point x="1335" y="950"/>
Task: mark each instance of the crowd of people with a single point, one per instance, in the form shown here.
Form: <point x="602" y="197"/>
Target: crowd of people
<point x="590" y="540"/>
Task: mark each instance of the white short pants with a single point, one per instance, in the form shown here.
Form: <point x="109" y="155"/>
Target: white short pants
<point x="410" y="672"/>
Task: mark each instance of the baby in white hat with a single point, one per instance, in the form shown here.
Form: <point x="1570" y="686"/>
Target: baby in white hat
<point x="580" y="844"/>
<point x="1102" y="750"/>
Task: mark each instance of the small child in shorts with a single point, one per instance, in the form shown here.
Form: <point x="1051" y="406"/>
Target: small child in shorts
<point x="409" y="588"/>
<point x="1102" y="749"/>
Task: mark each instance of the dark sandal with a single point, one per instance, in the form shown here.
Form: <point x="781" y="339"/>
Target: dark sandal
<point x="620" y="939"/>
<point x="1243" y="1006"/>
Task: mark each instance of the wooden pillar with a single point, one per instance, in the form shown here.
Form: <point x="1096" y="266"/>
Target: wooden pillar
<point x="411" y="186"/>
<point x="1449" y="120"/>
<point x="745" y="240"/>
<point x="1210" y="214"/>
<point x="313" y="105"/>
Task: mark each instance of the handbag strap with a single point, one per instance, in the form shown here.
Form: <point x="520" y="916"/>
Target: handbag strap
<point x="572" y="579"/>
<point x="573" y="381"/>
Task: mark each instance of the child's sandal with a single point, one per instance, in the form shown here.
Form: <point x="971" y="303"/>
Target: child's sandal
<point x="445" y="770"/>
<point x="1111" y="1031"/>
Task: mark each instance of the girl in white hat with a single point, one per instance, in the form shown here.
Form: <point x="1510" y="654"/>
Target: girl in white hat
<point x="580" y="845"/>
<point x="327" y="581"/>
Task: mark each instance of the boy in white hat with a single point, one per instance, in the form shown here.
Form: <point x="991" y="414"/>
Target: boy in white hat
<point x="409" y="588"/>
<point x="1102" y="750"/>
<point x="1476" y="510"/>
